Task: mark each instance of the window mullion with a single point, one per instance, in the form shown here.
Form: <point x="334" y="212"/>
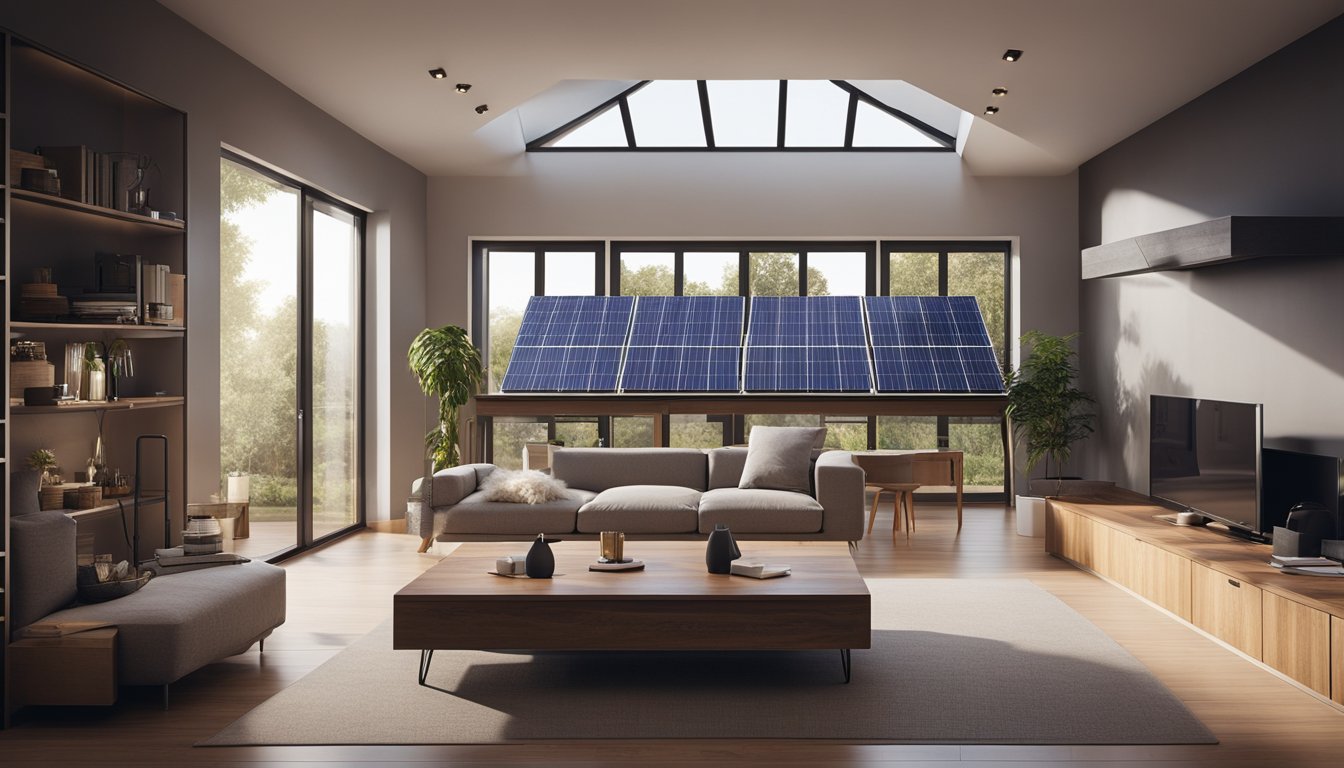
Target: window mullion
<point x="705" y="113"/>
<point x="850" y="115"/>
<point x="783" y="108"/>
<point x="628" y="123"/>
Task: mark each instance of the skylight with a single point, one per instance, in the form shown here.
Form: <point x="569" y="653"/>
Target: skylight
<point x="707" y="115"/>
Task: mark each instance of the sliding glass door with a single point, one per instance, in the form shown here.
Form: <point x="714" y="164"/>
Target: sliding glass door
<point x="290" y="356"/>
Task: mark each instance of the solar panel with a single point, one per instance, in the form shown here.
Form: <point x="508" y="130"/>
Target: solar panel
<point x="681" y="369"/>
<point x="806" y="344"/>
<point x="931" y="344"/>
<point x="569" y="344"/>
<point x="685" y="344"/>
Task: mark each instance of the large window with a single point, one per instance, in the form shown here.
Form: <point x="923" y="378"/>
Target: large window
<point x="750" y="268"/>
<point x="291" y="287"/>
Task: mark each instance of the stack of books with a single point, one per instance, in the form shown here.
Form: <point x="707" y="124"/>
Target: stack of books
<point x="106" y="308"/>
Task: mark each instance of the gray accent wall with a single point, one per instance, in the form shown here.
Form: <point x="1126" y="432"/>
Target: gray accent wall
<point x="1269" y="141"/>
<point x="230" y="101"/>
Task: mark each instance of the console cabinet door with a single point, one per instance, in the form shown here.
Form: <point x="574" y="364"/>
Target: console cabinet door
<point x="1070" y="536"/>
<point x="1161" y="576"/>
<point x="1297" y="641"/>
<point x="1226" y="608"/>
<point x="1337" y="659"/>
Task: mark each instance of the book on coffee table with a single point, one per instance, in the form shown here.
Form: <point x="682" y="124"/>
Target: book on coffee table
<point x="761" y="570"/>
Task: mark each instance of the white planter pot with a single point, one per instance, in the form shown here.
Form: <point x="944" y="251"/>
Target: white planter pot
<point x="1031" y="516"/>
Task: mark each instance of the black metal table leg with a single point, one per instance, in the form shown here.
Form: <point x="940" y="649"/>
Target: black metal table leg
<point x="846" y="663"/>
<point x="427" y="657"/>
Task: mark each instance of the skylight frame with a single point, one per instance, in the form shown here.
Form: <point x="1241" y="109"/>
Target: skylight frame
<point x="944" y="141"/>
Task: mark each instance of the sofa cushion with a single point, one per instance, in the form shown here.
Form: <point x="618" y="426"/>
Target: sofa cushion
<point x="476" y="515"/>
<point x="642" y="509"/>
<point x="778" y="458"/>
<point x="756" y="510"/>
<point x="597" y="469"/>
<point x="42" y="563"/>
<point x="24" y="487"/>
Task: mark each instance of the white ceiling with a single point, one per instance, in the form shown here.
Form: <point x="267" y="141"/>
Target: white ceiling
<point x="1094" y="71"/>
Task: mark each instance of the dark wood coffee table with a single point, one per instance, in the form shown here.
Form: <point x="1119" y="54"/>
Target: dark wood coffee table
<point x="672" y="605"/>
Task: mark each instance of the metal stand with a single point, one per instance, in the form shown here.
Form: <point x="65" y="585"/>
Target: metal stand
<point x="139" y="499"/>
<point x="846" y="663"/>
<point x="426" y="657"/>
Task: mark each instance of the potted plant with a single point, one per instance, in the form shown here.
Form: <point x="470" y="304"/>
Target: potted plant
<point x="43" y="459"/>
<point x="1049" y="413"/>
<point x="447" y="365"/>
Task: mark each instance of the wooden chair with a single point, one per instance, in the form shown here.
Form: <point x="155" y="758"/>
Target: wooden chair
<point x="902" y="474"/>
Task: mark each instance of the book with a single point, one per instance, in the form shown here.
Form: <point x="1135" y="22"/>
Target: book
<point x="761" y="570"/>
<point x="1299" y="562"/>
<point x="217" y="557"/>
<point x="60" y="628"/>
<point x="627" y="565"/>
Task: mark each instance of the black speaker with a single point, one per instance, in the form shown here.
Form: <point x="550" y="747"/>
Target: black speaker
<point x="1308" y="524"/>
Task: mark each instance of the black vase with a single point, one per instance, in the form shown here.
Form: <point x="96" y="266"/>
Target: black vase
<point x="540" y="559"/>
<point x="722" y="550"/>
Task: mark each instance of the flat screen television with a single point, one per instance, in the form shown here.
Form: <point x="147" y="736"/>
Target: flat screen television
<point x="1290" y="478"/>
<point x="1204" y="457"/>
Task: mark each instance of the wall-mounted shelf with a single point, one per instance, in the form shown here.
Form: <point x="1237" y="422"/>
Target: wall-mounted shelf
<point x="29" y="197"/>
<point x="18" y="328"/>
<point x="1218" y="241"/>
<point x="124" y="404"/>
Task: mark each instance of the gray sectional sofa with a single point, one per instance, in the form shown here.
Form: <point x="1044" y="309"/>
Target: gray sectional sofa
<point x="651" y="493"/>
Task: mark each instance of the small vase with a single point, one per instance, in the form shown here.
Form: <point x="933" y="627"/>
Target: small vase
<point x="721" y="551"/>
<point x="540" y="559"/>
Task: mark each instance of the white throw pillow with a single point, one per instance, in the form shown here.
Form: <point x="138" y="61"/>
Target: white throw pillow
<point x="522" y="486"/>
<point x="778" y="458"/>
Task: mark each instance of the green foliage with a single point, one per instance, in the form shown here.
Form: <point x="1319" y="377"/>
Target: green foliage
<point x="447" y="365"/>
<point x="42" y="458"/>
<point x="1049" y="413"/>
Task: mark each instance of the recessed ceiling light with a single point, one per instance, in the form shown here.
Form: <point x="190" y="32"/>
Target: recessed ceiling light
<point x="462" y="87"/>
<point x="1012" y="54"/>
<point x="999" y="92"/>
<point x="991" y="110"/>
<point x="482" y="109"/>
<point x="438" y="73"/>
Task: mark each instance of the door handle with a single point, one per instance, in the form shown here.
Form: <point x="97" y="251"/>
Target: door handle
<point x="1234" y="583"/>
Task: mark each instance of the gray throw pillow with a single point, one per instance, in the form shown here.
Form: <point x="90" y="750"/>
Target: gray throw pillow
<point x="778" y="458"/>
<point x="23" y="491"/>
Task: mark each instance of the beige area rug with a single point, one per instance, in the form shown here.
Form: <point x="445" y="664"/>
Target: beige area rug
<point x="957" y="661"/>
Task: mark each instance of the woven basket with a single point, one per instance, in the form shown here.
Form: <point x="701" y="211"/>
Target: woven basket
<point x="84" y="497"/>
<point x="51" y="497"/>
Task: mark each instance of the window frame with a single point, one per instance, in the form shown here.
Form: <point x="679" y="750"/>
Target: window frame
<point x="877" y="281"/>
<point x="945" y="141"/>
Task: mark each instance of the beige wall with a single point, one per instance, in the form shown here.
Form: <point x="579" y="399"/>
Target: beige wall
<point x="229" y="101"/>
<point x="1267" y="142"/>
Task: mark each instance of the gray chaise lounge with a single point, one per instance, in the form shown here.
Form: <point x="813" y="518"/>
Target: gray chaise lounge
<point x="173" y="626"/>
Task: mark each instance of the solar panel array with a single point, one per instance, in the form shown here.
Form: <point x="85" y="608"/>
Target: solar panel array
<point x="685" y="344"/>
<point x="931" y="344"/>
<point x="793" y="344"/>
<point x="806" y="344"/>
<point x="569" y="344"/>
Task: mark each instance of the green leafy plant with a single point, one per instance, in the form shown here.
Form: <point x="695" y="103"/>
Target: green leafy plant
<point x="42" y="458"/>
<point x="1049" y="412"/>
<point x="448" y="366"/>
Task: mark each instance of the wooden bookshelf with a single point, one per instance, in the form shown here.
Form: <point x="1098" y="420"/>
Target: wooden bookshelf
<point x="50" y="101"/>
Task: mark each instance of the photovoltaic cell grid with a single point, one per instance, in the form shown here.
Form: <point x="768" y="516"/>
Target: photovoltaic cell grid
<point x="806" y="344"/>
<point x="931" y="344"/>
<point x="685" y="344"/>
<point x="569" y="344"/>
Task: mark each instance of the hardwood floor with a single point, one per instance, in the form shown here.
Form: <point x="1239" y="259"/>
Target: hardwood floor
<point x="339" y="593"/>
